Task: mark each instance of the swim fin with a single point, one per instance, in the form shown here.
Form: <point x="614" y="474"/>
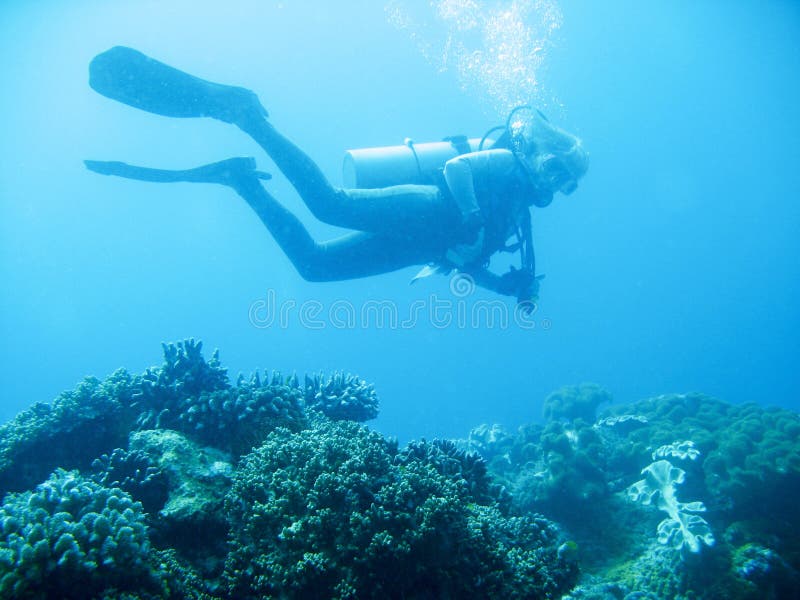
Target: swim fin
<point x="224" y="172"/>
<point x="130" y="77"/>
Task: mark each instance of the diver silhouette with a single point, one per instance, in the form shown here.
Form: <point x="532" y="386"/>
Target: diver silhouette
<point x="455" y="217"/>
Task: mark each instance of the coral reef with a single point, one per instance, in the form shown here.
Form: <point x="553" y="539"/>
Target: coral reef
<point x="336" y="512"/>
<point x="178" y="483"/>
<point x="341" y="396"/>
<point x="78" y="427"/>
<point x="573" y="402"/>
<point x="72" y="538"/>
<point x="682" y="529"/>
<point x="134" y="473"/>
<point x="740" y="463"/>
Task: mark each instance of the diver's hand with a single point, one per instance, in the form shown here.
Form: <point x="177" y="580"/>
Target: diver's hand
<point x="463" y="255"/>
<point x="522" y="284"/>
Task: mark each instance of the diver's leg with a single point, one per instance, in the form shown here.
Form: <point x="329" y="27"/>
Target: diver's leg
<point x="222" y="172"/>
<point x="409" y="208"/>
<point x="354" y="255"/>
<point x="130" y="77"/>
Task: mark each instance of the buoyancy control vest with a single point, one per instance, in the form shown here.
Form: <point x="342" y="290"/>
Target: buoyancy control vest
<point x="423" y="163"/>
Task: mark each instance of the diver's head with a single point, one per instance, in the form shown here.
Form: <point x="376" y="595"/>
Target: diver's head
<point x="555" y="159"/>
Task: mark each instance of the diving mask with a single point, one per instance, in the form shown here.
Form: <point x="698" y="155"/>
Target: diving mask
<point x="556" y="158"/>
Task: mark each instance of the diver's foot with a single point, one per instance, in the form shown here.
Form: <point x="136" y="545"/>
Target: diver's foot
<point x="226" y="172"/>
<point x="128" y="76"/>
<point x="231" y="104"/>
<point x="232" y="171"/>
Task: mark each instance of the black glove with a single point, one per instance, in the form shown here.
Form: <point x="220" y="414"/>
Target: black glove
<point x="520" y="283"/>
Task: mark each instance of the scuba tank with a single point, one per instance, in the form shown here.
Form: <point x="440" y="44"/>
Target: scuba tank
<point x="412" y="163"/>
<point x="396" y="165"/>
<point x="384" y="166"/>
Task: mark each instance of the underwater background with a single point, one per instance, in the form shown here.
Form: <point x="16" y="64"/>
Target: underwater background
<point x="671" y="273"/>
<point x="673" y="268"/>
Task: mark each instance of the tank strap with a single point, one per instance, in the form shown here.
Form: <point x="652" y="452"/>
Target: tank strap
<point x="459" y="142"/>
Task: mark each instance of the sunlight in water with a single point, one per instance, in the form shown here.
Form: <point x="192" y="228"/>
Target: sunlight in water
<point x="497" y="49"/>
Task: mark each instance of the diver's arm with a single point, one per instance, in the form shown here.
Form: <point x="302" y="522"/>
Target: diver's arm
<point x="519" y="283"/>
<point x="477" y="174"/>
<point x="458" y="175"/>
<point x="487" y="280"/>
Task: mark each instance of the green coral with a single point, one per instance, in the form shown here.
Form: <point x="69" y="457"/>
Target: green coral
<point x="575" y="402"/>
<point x="239" y="418"/>
<point x="78" y="427"/>
<point x="743" y="461"/>
<point x="341" y="396"/>
<point x="751" y="454"/>
<point x="184" y="374"/>
<point x="72" y="538"/>
<point x="331" y="512"/>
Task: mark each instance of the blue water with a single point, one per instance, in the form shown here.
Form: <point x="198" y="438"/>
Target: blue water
<point x="673" y="268"/>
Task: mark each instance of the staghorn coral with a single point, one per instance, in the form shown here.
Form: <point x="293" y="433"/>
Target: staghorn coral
<point x="183" y="374"/>
<point x="332" y="512"/>
<point x="341" y="396"/>
<point x="72" y="538"/>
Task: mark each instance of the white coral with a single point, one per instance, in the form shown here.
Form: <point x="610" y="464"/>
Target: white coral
<point x="682" y="528"/>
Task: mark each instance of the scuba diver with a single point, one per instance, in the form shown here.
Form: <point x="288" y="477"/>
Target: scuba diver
<point x="450" y="218"/>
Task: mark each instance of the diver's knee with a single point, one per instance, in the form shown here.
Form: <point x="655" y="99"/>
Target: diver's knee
<point x="329" y="208"/>
<point x="312" y="271"/>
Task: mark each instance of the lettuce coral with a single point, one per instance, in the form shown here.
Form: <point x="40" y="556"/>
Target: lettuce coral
<point x="682" y="529"/>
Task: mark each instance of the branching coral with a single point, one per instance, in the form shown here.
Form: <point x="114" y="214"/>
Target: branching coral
<point x="78" y="427"/>
<point x="342" y="396"/>
<point x="457" y="465"/>
<point x="134" y="473"/>
<point x="237" y="419"/>
<point x="72" y="538"/>
<point x="332" y="511"/>
<point x="184" y="374"/>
